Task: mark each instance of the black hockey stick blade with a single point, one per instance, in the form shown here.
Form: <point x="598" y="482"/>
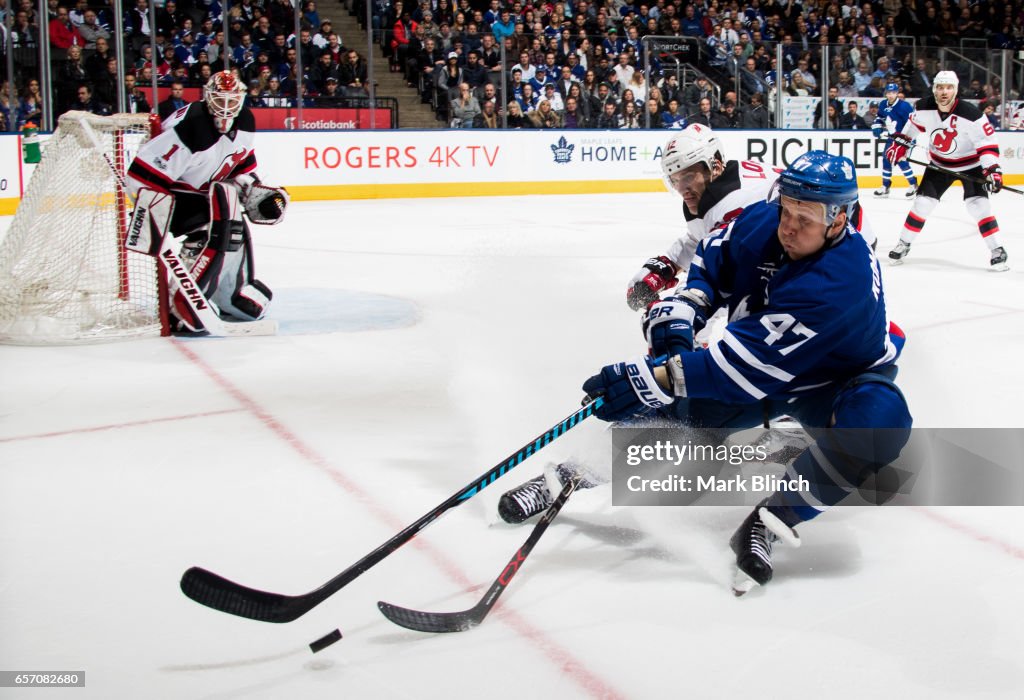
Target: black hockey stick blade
<point x="468" y="619"/>
<point x="217" y="592"/>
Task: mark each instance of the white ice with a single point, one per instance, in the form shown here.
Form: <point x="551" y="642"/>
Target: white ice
<point x="421" y="342"/>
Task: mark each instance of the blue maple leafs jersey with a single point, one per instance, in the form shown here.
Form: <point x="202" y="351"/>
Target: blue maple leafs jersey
<point x="891" y="118"/>
<point x="793" y="326"/>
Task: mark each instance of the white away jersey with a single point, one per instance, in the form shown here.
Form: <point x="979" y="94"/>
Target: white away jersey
<point x="190" y="153"/>
<point x="1016" y="122"/>
<point x="958" y="140"/>
<point x="742" y="183"/>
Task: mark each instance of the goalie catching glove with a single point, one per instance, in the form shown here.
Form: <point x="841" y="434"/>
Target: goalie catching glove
<point x="656" y="274"/>
<point x="263" y="204"/>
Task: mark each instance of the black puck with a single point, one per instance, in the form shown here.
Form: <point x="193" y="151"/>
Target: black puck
<point x="325" y="641"/>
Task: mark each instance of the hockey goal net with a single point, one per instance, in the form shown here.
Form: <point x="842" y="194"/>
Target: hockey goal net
<point x="65" y="275"/>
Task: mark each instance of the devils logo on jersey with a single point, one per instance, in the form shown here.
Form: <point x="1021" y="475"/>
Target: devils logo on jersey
<point x="943" y="140"/>
<point x="228" y="164"/>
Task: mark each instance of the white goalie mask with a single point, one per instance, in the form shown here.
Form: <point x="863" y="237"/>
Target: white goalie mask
<point x="694" y="144"/>
<point x="224" y="96"/>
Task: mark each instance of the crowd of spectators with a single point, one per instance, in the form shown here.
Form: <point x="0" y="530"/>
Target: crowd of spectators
<point x="189" y="40"/>
<point x="592" y="52"/>
<point x="583" y="59"/>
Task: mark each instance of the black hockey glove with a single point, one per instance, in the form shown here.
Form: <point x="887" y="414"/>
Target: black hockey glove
<point x="993" y="179"/>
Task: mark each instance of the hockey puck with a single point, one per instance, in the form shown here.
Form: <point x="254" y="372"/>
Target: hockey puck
<point x="325" y="641"/>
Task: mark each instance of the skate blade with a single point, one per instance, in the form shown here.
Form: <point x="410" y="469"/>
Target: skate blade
<point x="1001" y="267"/>
<point x="894" y="263"/>
<point x="742" y="584"/>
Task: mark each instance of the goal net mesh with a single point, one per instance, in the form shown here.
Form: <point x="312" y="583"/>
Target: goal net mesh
<point x="65" y="275"/>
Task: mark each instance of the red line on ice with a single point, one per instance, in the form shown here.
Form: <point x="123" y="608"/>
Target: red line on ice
<point x="116" y="426"/>
<point x="1006" y="547"/>
<point x="550" y="650"/>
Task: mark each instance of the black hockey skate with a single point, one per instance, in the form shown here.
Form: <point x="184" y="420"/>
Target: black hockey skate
<point x="998" y="261"/>
<point x="911" y="192"/>
<point x="897" y="254"/>
<point x="752" y="543"/>
<point x="882" y="192"/>
<point x="534" y="496"/>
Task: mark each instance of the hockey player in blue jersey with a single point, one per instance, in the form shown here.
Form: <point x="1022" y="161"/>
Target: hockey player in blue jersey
<point x="807" y="336"/>
<point x="892" y="115"/>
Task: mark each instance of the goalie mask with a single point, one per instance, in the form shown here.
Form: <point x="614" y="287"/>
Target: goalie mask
<point x="224" y="96"/>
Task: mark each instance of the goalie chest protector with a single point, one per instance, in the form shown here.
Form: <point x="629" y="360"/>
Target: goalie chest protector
<point x="190" y="153"/>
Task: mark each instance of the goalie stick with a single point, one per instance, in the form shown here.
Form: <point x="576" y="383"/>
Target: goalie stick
<point x="468" y="619"/>
<point x="181" y="279"/>
<point x="217" y="592"/>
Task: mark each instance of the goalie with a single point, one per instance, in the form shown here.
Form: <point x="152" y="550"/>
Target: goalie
<point x="195" y="180"/>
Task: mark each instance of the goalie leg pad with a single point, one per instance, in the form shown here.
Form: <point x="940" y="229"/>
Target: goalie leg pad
<point x="206" y="247"/>
<point x="150" y="222"/>
<point x="250" y="302"/>
<point x="239" y="293"/>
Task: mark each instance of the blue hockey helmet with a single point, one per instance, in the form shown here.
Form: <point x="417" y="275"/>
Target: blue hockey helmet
<point x="892" y="87"/>
<point x="817" y="176"/>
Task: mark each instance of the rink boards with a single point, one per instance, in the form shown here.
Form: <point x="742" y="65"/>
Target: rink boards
<point x="410" y="163"/>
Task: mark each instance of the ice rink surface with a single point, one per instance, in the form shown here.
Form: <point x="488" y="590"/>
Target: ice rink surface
<point x="421" y="342"/>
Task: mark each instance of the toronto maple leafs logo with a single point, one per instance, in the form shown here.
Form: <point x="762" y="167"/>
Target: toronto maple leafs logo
<point x="847" y="169"/>
<point x="562" y="150"/>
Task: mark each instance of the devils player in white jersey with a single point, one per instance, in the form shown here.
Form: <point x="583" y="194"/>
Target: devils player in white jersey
<point x="204" y="158"/>
<point x="962" y="142"/>
<point x="1016" y="122"/>
<point x="714" y="192"/>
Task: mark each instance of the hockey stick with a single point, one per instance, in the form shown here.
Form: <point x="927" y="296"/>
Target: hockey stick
<point x="962" y="176"/>
<point x="213" y="591"/>
<point x="468" y="619"/>
<point x="181" y="278"/>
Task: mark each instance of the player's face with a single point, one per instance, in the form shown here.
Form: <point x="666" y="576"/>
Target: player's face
<point x="945" y="94"/>
<point x="891" y="97"/>
<point x="690" y="183"/>
<point x="801" y="227"/>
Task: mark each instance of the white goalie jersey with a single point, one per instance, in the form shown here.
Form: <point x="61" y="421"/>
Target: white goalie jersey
<point x="190" y="153"/>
